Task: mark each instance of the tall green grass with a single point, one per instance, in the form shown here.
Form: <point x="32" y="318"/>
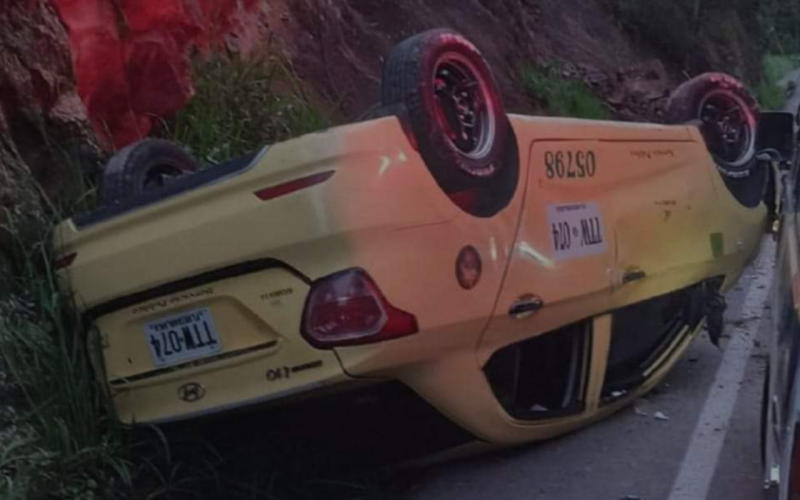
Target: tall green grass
<point x="770" y="95"/>
<point x="241" y="105"/>
<point x="65" y="444"/>
<point x="562" y="96"/>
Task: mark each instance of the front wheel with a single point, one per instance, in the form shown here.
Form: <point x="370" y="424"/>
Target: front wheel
<point x="726" y="113"/>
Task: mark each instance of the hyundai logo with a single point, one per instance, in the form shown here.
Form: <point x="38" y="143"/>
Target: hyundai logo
<point x="191" y="392"/>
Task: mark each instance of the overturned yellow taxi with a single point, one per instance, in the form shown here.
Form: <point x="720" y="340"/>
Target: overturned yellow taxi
<point x="523" y="275"/>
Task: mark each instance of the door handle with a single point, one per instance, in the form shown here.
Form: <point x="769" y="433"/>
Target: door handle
<point x="525" y="306"/>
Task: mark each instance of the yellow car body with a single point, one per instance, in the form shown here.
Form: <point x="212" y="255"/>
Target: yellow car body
<point x="365" y="199"/>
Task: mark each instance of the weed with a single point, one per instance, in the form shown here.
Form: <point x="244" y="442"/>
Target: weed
<point x="64" y="443"/>
<point x="778" y="21"/>
<point x="770" y="94"/>
<point x="62" y="440"/>
<point x="241" y="105"/>
<point x="562" y="96"/>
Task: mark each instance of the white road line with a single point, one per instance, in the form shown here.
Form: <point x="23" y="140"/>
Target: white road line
<point x="700" y="462"/>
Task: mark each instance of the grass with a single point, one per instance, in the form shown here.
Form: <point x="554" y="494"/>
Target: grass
<point x="65" y="443"/>
<point x="779" y="23"/>
<point x="240" y="106"/>
<point x="562" y="96"/>
<point x="775" y="67"/>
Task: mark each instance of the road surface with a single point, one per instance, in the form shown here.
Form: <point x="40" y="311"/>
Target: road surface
<point x="696" y="436"/>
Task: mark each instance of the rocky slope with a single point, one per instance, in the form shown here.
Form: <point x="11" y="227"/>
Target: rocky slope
<point x="43" y="122"/>
<point x="81" y="76"/>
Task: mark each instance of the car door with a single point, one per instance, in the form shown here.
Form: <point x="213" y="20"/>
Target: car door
<point x="665" y="214"/>
<point x="563" y="257"/>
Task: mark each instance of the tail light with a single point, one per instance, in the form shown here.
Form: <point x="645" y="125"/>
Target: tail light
<point x="348" y="308"/>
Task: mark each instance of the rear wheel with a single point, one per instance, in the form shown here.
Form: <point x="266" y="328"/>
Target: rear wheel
<point x="455" y="117"/>
<point x="455" y="110"/>
<point x="142" y="167"/>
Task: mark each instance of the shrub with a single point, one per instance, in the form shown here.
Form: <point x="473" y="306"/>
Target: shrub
<point x="62" y="441"/>
<point x="241" y="105"/>
<point x="769" y="94"/>
<point x="562" y="96"/>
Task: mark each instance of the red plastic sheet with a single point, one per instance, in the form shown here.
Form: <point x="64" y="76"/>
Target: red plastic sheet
<point x="131" y="57"/>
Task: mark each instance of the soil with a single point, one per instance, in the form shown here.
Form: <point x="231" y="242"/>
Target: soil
<point x="337" y="48"/>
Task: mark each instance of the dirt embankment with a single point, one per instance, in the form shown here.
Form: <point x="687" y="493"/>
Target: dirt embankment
<point x="338" y="46"/>
<point x="60" y="60"/>
<point x="43" y="122"/>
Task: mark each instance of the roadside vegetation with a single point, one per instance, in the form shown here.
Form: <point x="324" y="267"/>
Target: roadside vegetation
<point x="779" y="22"/>
<point x="769" y="93"/>
<point x="240" y="106"/>
<point x="562" y="96"/>
<point x="60" y="439"/>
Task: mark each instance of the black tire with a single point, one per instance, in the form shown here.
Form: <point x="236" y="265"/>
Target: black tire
<point x="726" y="113"/>
<point x="141" y="167"/>
<point x="453" y="107"/>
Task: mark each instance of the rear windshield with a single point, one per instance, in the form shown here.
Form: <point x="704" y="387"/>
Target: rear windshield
<point x="181" y="185"/>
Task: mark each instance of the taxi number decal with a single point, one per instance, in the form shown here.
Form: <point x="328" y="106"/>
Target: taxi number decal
<point x="285" y="372"/>
<point x="281" y="373"/>
<point x="576" y="230"/>
<point x="570" y="164"/>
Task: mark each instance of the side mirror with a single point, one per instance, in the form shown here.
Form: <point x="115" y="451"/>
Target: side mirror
<point x="776" y="136"/>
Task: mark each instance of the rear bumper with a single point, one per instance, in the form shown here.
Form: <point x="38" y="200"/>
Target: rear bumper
<point x="256" y="311"/>
<point x="221" y="386"/>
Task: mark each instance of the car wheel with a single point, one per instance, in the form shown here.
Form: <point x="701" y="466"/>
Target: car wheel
<point x="141" y="167"/>
<point x="454" y="109"/>
<point x="727" y="114"/>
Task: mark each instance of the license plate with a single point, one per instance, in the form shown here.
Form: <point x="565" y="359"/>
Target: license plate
<point x="182" y="337"/>
<point x="576" y="230"/>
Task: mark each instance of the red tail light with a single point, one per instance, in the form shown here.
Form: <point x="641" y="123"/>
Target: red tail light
<point x="348" y="308"/>
<point x="64" y="261"/>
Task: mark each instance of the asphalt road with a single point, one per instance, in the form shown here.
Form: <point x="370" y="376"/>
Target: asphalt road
<point x="704" y="445"/>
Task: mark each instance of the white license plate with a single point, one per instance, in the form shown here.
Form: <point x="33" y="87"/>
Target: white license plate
<point x="576" y="230"/>
<point x="182" y="337"/>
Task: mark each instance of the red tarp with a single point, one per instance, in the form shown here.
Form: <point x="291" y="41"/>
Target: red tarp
<point x="131" y="57"/>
